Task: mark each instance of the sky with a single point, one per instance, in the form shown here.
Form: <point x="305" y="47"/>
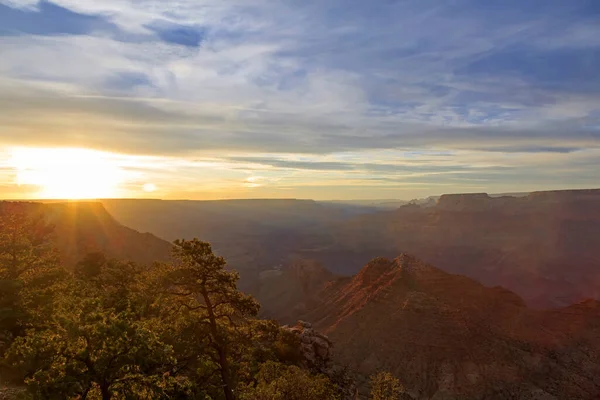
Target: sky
<point x="323" y="99"/>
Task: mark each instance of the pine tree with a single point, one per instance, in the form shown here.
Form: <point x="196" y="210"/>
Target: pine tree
<point x="199" y="283"/>
<point x="29" y="269"/>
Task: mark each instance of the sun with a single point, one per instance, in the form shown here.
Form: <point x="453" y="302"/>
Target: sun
<point x="68" y="173"/>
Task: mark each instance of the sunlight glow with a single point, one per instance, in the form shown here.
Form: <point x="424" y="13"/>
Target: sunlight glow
<point x="68" y="173"/>
<point x="253" y="181"/>
<point x="149" y="187"/>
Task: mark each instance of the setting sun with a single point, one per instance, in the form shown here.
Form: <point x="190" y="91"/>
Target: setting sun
<point x="67" y="173"/>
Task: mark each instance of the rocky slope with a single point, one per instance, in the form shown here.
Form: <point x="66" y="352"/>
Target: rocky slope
<point x="83" y="227"/>
<point x="542" y="246"/>
<point x="318" y="356"/>
<point x="447" y="336"/>
<point x="288" y="292"/>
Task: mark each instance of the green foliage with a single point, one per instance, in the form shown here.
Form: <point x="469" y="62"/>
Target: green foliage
<point x="281" y="382"/>
<point x="97" y="340"/>
<point x="117" y="330"/>
<point x="200" y="281"/>
<point x="89" y="348"/>
<point x="24" y="243"/>
<point x="199" y="286"/>
<point x="29" y="275"/>
<point x="384" y="386"/>
<point x="91" y="266"/>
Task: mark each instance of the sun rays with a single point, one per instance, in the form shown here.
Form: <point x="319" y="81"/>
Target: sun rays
<point x="68" y="173"/>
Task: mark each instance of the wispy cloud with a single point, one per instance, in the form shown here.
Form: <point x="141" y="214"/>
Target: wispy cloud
<point x="246" y="82"/>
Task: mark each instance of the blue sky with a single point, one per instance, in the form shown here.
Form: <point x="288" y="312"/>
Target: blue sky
<point x="323" y="99"/>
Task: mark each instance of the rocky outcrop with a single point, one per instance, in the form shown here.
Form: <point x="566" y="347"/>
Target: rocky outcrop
<point x="542" y="246"/>
<point x="475" y="202"/>
<point x="316" y="347"/>
<point x="565" y="195"/>
<point x="464" y="201"/>
<point x="317" y="354"/>
<point x="84" y="227"/>
<point x="447" y="336"/>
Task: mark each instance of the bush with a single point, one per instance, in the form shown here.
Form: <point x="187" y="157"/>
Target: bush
<point x="276" y="381"/>
<point x="384" y="386"/>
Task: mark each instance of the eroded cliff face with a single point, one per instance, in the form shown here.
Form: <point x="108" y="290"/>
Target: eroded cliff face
<point x="565" y="195"/>
<point x="285" y="294"/>
<point x="317" y="352"/>
<point x="447" y="336"/>
<point x="483" y="201"/>
<point x="542" y="246"/>
<point x="461" y="202"/>
<point x="82" y="227"/>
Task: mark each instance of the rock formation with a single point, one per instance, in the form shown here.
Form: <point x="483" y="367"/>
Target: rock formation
<point x="542" y="246"/>
<point x="84" y="227"/>
<point x="447" y="336"/>
<point x="317" y="353"/>
<point x="285" y="294"/>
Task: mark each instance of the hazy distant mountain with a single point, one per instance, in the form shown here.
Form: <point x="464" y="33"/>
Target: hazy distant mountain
<point x="544" y="246"/>
<point x="222" y="219"/>
<point x="391" y="204"/>
<point x="379" y="205"/>
<point x="447" y="336"/>
<point x="253" y="235"/>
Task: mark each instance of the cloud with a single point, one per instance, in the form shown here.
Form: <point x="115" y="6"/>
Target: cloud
<point x="404" y="169"/>
<point x="563" y="70"/>
<point x="154" y="126"/>
<point x="260" y="79"/>
<point x="49" y="19"/>
<point x="177" y="34"/>
<point x="125" y="81"/>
